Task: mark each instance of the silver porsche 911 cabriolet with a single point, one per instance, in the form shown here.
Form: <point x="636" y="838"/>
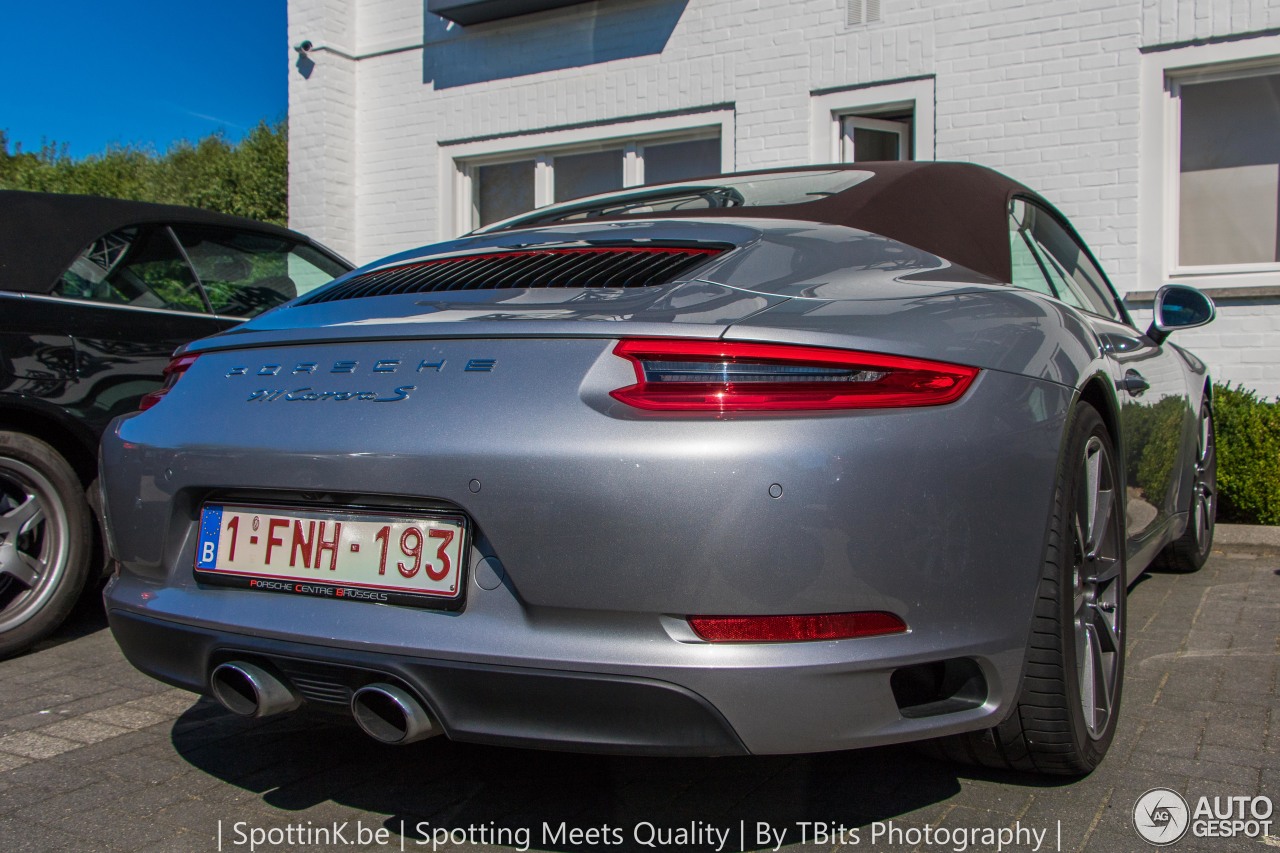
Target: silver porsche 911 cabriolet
<point x="774" y="462"/>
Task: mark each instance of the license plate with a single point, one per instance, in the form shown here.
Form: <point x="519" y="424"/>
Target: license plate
<point x="351" y="554"/>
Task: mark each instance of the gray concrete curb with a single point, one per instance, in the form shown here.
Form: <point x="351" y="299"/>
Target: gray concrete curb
<point x="1246" y="534"/>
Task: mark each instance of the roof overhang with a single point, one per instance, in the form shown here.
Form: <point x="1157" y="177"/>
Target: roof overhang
<point x="467" y="12"/>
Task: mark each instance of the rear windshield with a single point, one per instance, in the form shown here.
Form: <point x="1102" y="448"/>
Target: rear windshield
<point x="752" y="191"/>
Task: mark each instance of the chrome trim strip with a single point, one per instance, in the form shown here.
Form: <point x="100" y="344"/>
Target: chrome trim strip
<point x="72" y="301"/>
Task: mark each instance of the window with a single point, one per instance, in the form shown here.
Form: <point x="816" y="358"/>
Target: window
<point x="245" y="272"/>
<point x="1207" y="166"/>
<point x="200" y="269"/>
<point x="577" y="175"/>
<point x="503" y="186"/>
<point x="1028" y="274"/>
<point x="677" y="161"/>
<point x="1228" y="169"/>
<point x="716" y="192"/>
<point x="1047" y="259"/>
<point x="142" y="268"/>
<point x="879" y="121"/>
<point x="503" y="190"/>
<point x="865" y="138"/>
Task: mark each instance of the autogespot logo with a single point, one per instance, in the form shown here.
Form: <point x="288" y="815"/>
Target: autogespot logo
<point x="1161" y="816"/>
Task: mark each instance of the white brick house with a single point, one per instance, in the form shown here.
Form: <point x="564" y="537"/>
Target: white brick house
<point x="1153" y="124"/>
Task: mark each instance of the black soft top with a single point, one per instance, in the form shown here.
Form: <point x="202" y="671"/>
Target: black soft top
<point x="957" y="211"/>
<point x="42" y="233"/>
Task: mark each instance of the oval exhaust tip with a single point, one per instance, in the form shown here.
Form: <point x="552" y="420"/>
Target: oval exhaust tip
<point x="249" y="690"/>
<point x="392" y="715"/>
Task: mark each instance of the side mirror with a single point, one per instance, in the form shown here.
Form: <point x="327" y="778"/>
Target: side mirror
<point x="1179" y="307"/>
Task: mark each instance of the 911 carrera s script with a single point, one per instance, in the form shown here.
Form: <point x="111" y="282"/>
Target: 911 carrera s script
<point x="310" y="395"/>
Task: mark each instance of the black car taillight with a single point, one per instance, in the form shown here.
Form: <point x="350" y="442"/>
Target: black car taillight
<point x="678" y="375"/>
<point x="177" y="366"/>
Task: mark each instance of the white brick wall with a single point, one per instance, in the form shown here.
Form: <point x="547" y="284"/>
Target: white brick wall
<point x="1170" y="21"/>
<point x="322" y="122"/>
<point x="1048" y="92"/>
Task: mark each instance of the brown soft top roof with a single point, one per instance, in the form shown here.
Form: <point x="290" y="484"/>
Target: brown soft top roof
<point x="957" y="211"/>
<point x="42" y="233"/>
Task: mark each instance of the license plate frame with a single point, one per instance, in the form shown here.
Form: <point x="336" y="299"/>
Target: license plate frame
<point x="356" y="582"/>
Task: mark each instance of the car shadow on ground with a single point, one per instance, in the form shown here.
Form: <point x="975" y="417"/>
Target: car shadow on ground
<point x="304" y="765"/>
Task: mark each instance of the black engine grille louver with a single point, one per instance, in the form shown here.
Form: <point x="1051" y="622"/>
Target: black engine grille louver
<point x="596" y="267"/>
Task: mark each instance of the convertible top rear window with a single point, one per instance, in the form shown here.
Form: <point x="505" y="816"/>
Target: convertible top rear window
<point x="716" y="193"/>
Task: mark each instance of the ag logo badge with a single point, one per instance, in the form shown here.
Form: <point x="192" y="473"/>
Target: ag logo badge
<point x="1161" y="816"/>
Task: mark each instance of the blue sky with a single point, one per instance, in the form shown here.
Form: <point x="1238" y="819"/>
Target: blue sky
<point x="146" y="72"/>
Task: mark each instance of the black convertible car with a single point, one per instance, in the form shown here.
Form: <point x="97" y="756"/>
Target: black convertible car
<point x="95" y="295"/>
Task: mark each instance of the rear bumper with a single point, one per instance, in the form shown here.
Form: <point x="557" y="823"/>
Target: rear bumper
<point x="507" y="706"/>
<point x="627" y="691"/>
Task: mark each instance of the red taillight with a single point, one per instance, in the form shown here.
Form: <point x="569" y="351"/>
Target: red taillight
<point x="677" y="375"/>
<point x="783" y="629"/>
<point x="177" y="366"/>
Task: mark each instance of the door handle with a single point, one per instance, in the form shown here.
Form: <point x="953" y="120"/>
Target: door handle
<point x="1133" y="382"/>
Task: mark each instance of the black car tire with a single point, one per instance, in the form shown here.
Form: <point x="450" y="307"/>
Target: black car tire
<point x="1075" y="655"/>
<point x="45" y="539"/>
<point x="1190" y="551"/>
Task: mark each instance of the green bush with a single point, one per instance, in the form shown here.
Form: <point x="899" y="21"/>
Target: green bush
<point x="1248" y="433"/>
<point x="248" y="178"/>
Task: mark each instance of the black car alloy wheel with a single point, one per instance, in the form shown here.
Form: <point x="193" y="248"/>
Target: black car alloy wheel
<point x="44" y="536"/>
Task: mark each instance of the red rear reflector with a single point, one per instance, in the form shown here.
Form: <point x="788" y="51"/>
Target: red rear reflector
<point x="678" y="375"/>
<point x="781" y="629"/>
<point x="177" y="366"/>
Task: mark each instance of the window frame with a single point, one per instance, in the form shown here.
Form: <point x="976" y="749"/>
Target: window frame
<point x="1160" y="155"/>
<point x="165" y="231"/>
<point x="1173" y="167"/>
<point x="143" y="232"/>
<point x="829" y="108"/>
<point x="462" y="160"/>
<point x="858" y="121"/>
<point x="226" y="236"/>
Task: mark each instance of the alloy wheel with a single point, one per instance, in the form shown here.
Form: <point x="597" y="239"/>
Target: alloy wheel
<point x="1098" y="587"/>
<point x="1205" y="495"/>
<point x="34" y="542"/>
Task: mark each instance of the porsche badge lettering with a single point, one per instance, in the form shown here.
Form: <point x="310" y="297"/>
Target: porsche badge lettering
<point x="380" y="366"/>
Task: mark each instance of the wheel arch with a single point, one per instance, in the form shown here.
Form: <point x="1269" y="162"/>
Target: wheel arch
<point x="1189" y="469"/>
<point x="1097" y="392"/>
<point x="77" y="447"/>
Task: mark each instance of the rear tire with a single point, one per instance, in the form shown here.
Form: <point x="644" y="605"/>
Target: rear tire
<point x="1191" y="550"/>
<point x="45" y="539"/>
<point x="1069" y="697"/>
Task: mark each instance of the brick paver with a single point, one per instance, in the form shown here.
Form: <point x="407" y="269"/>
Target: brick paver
<point x="95" y="756"/>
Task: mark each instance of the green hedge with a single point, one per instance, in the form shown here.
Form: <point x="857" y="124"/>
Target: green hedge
<point x="1248" y="433"/>
<point x="246" y="178"/>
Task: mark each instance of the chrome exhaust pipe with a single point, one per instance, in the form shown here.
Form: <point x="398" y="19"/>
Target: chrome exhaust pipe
<point x="391" y="714"/>
<point x="250" y="690"/>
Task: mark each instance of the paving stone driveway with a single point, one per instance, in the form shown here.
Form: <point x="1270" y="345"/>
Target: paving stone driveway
<point x="95" y="756"/>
